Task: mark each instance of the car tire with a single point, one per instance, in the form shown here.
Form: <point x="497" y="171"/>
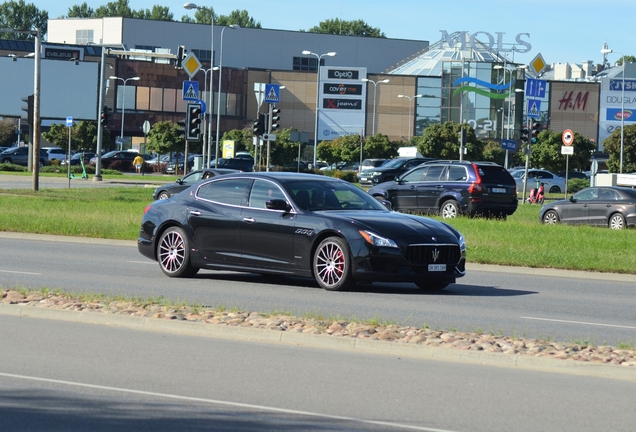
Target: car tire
<point x="555" y="189"/>
<point x="550" y="218"/>
<point x="432" y="286"/>
<point x="617" y="221"/>
<point x="332" y="264"/>
<point x="449" y="209"/>
<point x="163" y="195"/>
<point x="6" y="160"/>
<point x="173" y="254"/>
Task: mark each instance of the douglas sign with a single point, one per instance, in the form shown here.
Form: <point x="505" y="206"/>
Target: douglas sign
<point x="492" y="44"/>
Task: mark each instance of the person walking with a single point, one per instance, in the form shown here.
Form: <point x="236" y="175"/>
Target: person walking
<point x="138" y="162"/>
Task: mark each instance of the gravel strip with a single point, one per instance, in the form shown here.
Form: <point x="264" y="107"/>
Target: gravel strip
<point x="341" y="329"/>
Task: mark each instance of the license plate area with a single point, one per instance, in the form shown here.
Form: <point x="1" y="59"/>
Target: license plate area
<point x="437" y="267"/>
<point x="498" y="190"/>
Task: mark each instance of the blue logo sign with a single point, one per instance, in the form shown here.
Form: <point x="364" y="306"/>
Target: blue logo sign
<point x="272" y="93"/>
<point x="69" y="121"/>
<point x="508" y="144"/>
<point x="617" y="85"/>
<point x="190" y="90"/>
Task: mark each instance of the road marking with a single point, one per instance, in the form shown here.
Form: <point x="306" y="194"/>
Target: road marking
<point x="220" y="402"/>
<point x="580" y="322"/>
<point x="19" y="272"/>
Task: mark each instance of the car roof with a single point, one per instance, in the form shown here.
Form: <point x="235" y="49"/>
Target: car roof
<point x="282" y="176"/>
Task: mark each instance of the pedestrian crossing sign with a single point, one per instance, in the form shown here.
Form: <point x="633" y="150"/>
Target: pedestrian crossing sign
<point x="190" y="90"/>
<point x="272" y="93"/>
<point x="534" y="108"/>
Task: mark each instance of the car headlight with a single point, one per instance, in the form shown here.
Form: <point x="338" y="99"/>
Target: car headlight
<point x="376" y="240"/>
<point x="375" y="173"/>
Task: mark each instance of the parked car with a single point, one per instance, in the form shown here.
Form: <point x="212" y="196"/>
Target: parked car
<point x="242" y="164"/>
<point x="451" y="188"/>
<point x="369" y="164"/>
<point x="170" y="168"/>
<point x="20" y="156"/>
<point x="122" y="158"/>
<point x="56" y="153"/>
<point x="552" y="183"/>
<point x="390" y="169"/>
<point x="77" y="157"/>
<point x="573" y="175"/>
<point x="298" y="224"/>
<point x="612" y="206"/>
<point x="171" y="189"/>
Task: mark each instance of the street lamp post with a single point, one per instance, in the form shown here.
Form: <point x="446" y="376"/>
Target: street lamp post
<point x="609" y="51"/>
<point x="190" y="6"/>
<point x="208" y="128"/>
<point x="375" y="88"/>
<point x="218" y="108"/>
<point x="410" y="98"/>
<point x="319" y="57"/>
<point x="123" y="105"/>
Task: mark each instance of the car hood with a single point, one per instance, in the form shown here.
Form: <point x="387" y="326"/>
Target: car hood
<point x="400" y="227"/>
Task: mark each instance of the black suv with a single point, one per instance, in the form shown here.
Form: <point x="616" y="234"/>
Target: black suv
<point x="450" y="188"/>
<point x="389" y="170"/>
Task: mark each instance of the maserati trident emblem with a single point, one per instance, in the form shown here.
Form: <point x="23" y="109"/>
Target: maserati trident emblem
<point x="435" y="254"/>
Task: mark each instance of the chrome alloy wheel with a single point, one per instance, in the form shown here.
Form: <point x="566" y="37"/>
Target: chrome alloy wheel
<point x="172" y="253"/>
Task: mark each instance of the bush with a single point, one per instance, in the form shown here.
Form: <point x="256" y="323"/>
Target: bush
<point x="349" y="176"/>
<point x="576" y="184"/>
<point x="12" y="167"/>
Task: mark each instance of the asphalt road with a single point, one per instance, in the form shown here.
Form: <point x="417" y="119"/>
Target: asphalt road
<point x="559" y="307"/>
<point x="58" y="375"/>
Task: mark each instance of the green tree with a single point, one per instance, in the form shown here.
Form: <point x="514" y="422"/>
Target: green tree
<point x="158" y="13"/>
<point x="348" y="28"/>
<point x="379" y="146"/>
<point x="328" y="151"/>
<point x="628" y="58"/>
<point x="80" y="11"/>
<point x="164" y="137"/>
<point x="201" y="16"/>
<point x="7" y="132"/>
<point x="242" y="139"/>
<point x="546" y="153"/>
<point x="442" y="142"/>
<point x="120" y="8"/>
<point x="612" y="145"/>
<point x="83" y="135"/>
<point x="240" y="17"/>
<point x="22" y="16"/>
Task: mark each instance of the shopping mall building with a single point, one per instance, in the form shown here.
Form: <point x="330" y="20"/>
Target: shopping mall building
<point x="372" y="85"/>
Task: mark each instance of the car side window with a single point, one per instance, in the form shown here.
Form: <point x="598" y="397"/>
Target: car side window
<point x="586" y="194"/>
<point x="415" y="176"/>
<point x="457" y="173"/>
<point x="231" y="191"/>
<point x="192" y="178"/>
<point x="263" y="191"/>
<point x="434" y="173"/>
<point x="607" y="195"/>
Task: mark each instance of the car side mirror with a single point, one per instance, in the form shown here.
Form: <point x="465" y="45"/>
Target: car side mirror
<point x="386" y="203"/>
<point x="277" y="204"/>
<point x="180" y="181"/>
<point x="572" y="198"/>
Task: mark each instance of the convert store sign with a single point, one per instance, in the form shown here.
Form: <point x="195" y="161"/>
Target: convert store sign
<point x="484" y="41"/>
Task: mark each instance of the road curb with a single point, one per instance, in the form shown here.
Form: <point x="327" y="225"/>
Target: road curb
<point x="366" y="346"/>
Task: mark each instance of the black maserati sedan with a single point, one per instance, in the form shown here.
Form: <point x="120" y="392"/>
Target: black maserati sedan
<point x="296" y="224"/>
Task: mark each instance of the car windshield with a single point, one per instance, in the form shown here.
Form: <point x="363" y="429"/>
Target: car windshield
<point x="110" y="154"/>
<point x="393" y="163"/>
<point x="331" y="195"/>
<point x="517" y="174"/>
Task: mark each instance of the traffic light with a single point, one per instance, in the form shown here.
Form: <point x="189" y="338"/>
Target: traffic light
<point x="28" y="118"/>
<point x="535" y="131"/>
<point x="259" y="125"/>
<point x="193" y="122"/>
<point x="180" y="56"/>
<point x="275" y="120"/>
<point x="182" y="130"/>
<point x="103" y="116"/>
<point x="524" y="134"/>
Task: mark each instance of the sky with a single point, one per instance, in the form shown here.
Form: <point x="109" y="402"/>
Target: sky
<point x="562" y="31"/>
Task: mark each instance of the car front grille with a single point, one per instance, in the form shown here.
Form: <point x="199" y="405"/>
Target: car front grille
<point x="433" y="254"/>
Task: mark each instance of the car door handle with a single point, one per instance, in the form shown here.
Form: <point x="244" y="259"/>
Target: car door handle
<point x="195" y="212"/>
<point x="249" y="220"/>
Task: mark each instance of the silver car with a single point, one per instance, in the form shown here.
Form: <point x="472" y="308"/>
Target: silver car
<point x="552" y="183"/>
